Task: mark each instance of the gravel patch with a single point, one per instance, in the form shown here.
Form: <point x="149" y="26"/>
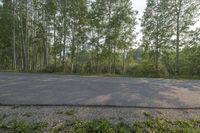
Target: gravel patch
<point x="53" y="115"/>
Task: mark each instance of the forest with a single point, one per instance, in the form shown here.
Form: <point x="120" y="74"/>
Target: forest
<point x="100" y="37"/>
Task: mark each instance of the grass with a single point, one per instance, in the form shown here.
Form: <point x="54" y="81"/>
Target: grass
<point x="22" y="126"/>
<point x="150" y="125"/>
<point x="28" y="114"/>
<point x="57" y="128"/>
<point x="161" y="125"/>
<point x="179" y="77"/>
<point x="2" y="117"/>
<point x="69" y="112"/>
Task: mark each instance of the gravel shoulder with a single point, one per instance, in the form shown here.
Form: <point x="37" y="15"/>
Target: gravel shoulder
<point x="53" y="115"/>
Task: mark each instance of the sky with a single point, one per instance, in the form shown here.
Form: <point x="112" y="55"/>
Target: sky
<point x="140" y="6"/>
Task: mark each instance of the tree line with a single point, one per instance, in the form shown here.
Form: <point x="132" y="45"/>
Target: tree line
<point x="98" y="36"/>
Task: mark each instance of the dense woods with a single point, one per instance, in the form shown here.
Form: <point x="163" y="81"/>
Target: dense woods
<point x="99" y="36"/>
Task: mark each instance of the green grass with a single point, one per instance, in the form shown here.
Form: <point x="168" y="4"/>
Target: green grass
<point x="150" y="125"/>
<point x="161" y="125"/>
<point x="22" y="126"/>
<point x="2" y="117"/>
<point x="57" y="128"/>
<point x="69" y="112"/>
<point x="179" y="77"/>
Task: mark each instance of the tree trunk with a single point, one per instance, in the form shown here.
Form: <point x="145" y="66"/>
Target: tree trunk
<point x="22" y="43"/>
<point x="114" y="57"/>
<point x="34" y="54"/>
<point x="177" y="46"/>
<point x="26" y="38"/>
<point x="14" y="37"/>
<point x="109" y="35"/>
<point x="73" y="49"/>
<point x="54" y="40"/>
<point x="124" y="60"/>
<point x="157" y="41"/>
<point x="22" y="47"/>
<point x="46" y="49"/>
<point x="178" y="10"/>
<point x="60" y="54"/>
<point x="97" y="56"/>
<point x="64" y="42"/>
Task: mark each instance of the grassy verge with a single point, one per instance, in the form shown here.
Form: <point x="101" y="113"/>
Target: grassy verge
<point x="180" y="77"/>
<point x="150" y="125"/>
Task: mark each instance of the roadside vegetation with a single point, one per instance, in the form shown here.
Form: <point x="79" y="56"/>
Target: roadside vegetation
<point x="153" y="125"/>
<point x="99" y="37"/>
<point x="149" y="125"/>
<point x="69" y="112"/>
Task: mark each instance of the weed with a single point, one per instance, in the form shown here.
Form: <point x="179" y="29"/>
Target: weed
<point x="147" y="114"/>
<point x="59" y="112"/>
<point x="2" y="116"/>
<point x="22" y="126"/>
<point x="57" y="128"/>
<point x="150" y="125"/>
<point x="165" y="125"/>
<point x="70" y="111"/>
<point x="28" y="114"/>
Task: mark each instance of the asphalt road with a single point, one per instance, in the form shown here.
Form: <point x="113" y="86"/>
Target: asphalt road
<point x="21" y="88"/>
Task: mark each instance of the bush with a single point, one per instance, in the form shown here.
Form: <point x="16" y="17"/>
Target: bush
<point x="95" y="126"/>
<point x="151" y="125"/>
<point x="52" y="69"/>
<point x="161" y="125"/>
<point x="88" y="68"/>
<point x="15" y="126"/>
<point x="145" y="71"/>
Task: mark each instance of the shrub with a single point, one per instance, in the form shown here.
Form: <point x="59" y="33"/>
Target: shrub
<point x="52" y="69"/>
<point x="15" y="126"/>
<point x="145" y="71"/>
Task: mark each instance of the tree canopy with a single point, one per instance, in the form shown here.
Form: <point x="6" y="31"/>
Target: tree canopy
<point x="99" y="36"/>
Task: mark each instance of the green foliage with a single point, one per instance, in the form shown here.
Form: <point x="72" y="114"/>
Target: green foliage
<point x="147" y="114"/>
<point x="69" y="112"/>
<point x="23" y="127"/>
<point x="53" y="69"/>
<point x="166" y="30"/>
<point x="145" y="70"/>
<point x="58" y="128"/>
<point x="98" y="36"/>
<point x="99" y="126"/>
<point x="190" y="61"/>
<point x="150" y="125"/>
<point x="2" y="116"/>
<point x="6" y="19"/>
<point x="123" y="128"/>
<point x="164" y="125"/>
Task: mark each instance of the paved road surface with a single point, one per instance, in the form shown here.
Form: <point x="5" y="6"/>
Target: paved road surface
<point x="19" y="88"/>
